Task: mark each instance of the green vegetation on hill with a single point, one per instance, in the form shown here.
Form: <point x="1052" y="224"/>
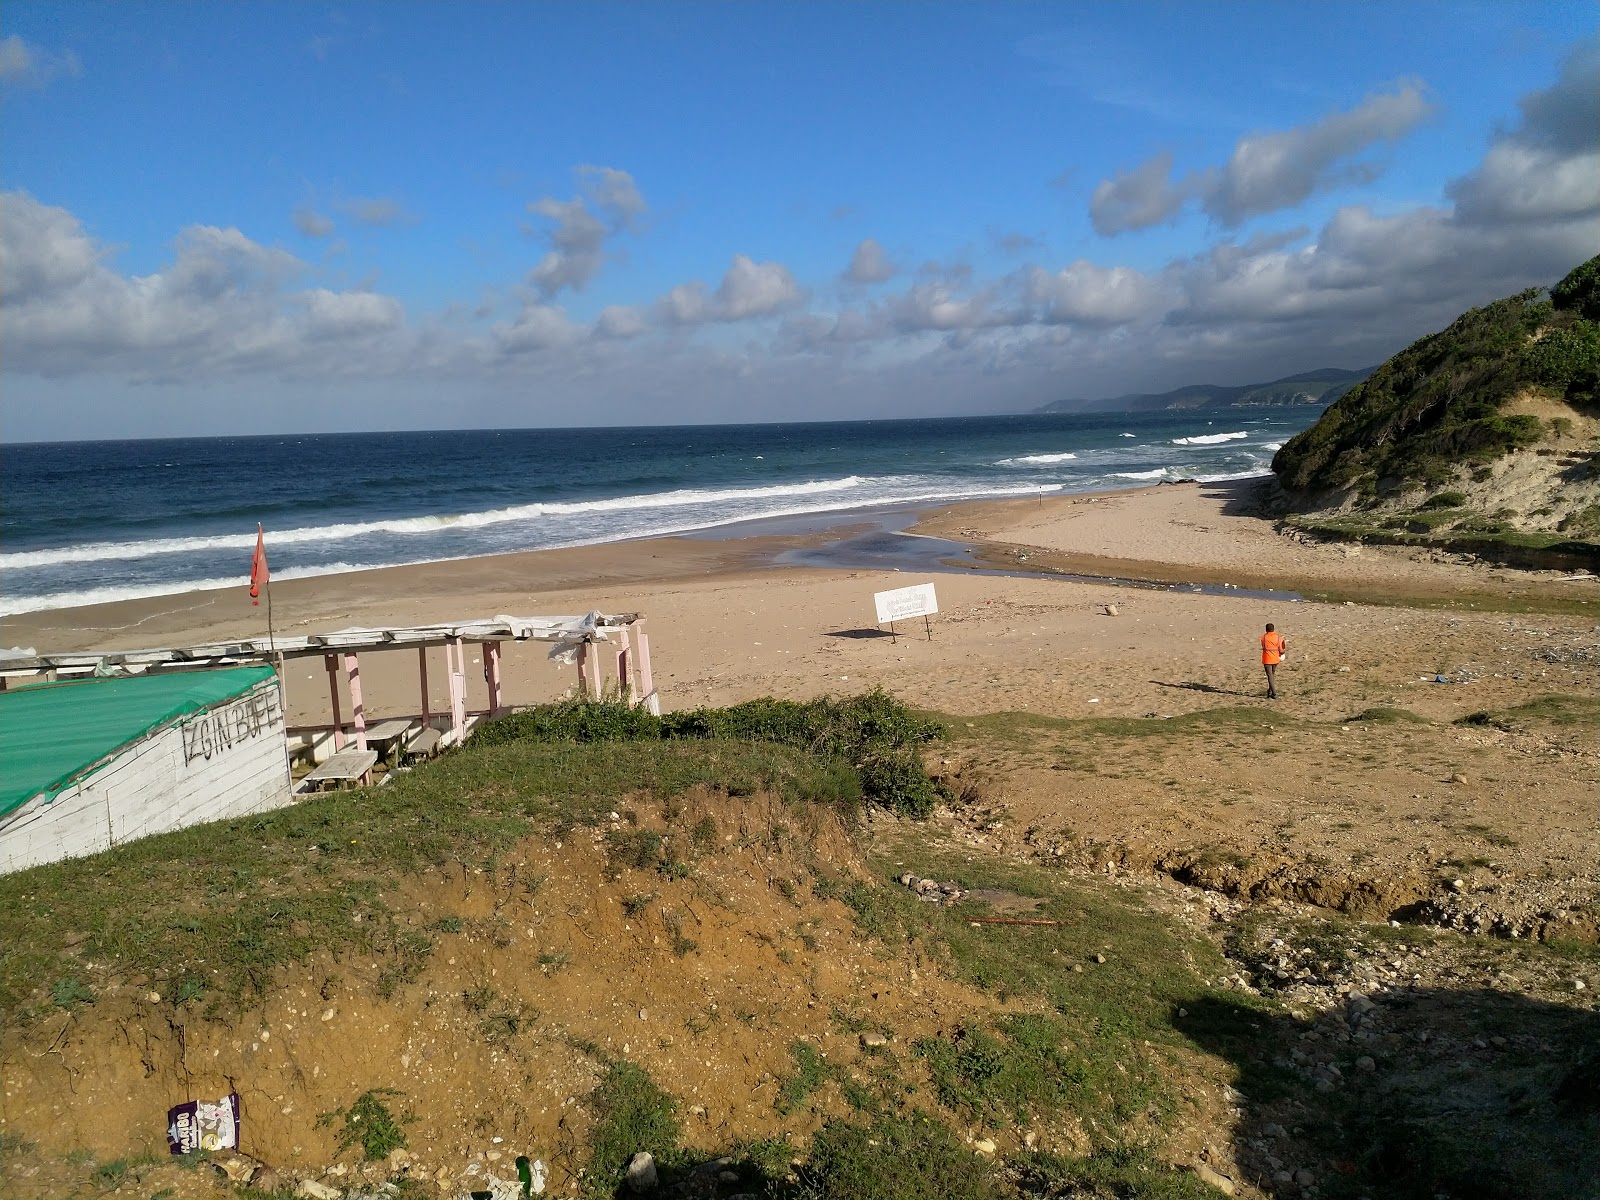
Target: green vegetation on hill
<point x="1439" y="403"/>
<point x="1322" y="386"/>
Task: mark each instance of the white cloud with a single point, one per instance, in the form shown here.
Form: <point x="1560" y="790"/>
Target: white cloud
<point x="537" y="327"/>
<point x="24" y="65"/>
<point x="1549" y="167"/>
<point x="312" y="223"/>
<point x="608" y="202"/>
<point x="1083" y="293"/>
<point x="1266" y="171"/>
<point x="752" y="289"/>
<point x="869" y="264"/>
<point x="620" y="321"/>
<point x="350" y="314"/>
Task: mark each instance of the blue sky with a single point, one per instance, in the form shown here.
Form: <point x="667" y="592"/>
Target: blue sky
<point x="236" y="217"/>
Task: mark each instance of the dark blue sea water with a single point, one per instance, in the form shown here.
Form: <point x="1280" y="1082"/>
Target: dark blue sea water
<point x="86" y="522"/>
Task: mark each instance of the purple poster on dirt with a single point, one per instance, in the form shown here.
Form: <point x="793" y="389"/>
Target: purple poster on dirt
<point x="202" y="1125"/>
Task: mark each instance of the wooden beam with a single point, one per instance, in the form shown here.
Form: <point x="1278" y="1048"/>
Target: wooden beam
<point x="331" y="661"/>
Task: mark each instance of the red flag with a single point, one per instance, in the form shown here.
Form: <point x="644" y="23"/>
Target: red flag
<point x="258" y="565"/>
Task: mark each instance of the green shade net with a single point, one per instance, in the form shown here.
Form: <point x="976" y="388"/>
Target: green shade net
<point x="54" y="732"/>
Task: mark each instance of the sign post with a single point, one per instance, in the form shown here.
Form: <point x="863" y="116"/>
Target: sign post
<point x="904" y="603"/>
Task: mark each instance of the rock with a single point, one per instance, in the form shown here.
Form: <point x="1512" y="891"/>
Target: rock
<point x="908" y="879"/>
<point x="984" y="1146"/>
<point x="399" y="1157"/>
<point x="642" y="1176"/>
<point x="266" y="1180"/>
<point x="1099" y="958"/>
<point x="1304" y="1177"/>
<point x="873" y="1038"/>
<point x="310" y="1189"/>
<point x="1458" y="777"/>
<point x="1458" y="885"/>
<point x="237" y="1168"/>
<point x="1366" y="1063"/>
<point x="1111" y="610"/>
<point x="1273" y="1130"/>
<point x="1215" y="1179"/>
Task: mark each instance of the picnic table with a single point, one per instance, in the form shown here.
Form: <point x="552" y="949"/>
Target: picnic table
<point x="386" y="735"/>
<point x="347" y="766"/>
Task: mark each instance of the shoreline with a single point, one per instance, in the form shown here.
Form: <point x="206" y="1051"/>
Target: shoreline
<point x="1150" y="537"/>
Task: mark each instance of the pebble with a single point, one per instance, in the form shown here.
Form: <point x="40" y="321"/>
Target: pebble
<point x="642" y="1175"/>
<point x="1366" y="1063"/>
<point x="873" y="1038"/>
<point x="1304" y="1177"/>
<point x="984" y="1146"/>
<point x="1214" y="1178"/>
<point x="310" y="1189"/>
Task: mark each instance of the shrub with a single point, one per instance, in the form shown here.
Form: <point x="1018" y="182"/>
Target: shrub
<point x="1579" y="292"/>
<point x="631" y="1113"/>
<point x="1445" y="500"/>
<point x="368" y="1123"/>
<point x="898" y="783"/>
<point x="912" y="1157"/>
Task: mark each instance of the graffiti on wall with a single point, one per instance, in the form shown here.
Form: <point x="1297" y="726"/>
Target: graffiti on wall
<point x="221" y="729"/>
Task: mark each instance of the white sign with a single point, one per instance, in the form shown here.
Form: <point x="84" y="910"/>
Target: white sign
<point x="905" y="603"/>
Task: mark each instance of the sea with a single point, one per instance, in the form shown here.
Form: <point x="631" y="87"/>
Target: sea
<point x="96" y="521"/>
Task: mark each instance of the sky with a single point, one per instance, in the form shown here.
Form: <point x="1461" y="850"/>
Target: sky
<point x="275" y="217"/>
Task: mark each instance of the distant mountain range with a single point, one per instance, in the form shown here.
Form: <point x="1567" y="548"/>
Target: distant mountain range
<point x="1309" y="387"/>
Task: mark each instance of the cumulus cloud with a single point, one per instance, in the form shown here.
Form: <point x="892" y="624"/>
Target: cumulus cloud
<point x="608" y="202"/>
<point x="752" y="289"/>
<point x="1083" y="293"/>
<point x="620" y="321"/>
<point x="1548" y="168"/>
<point x="869" y="264"/>
<point x="1266" y="171"/>
<point x="537" y="327"/>
<point x="312" y="223"/>
<point x="25" y="65"/>
<point x="748" y="289"/>
<point x="224" y="304"/>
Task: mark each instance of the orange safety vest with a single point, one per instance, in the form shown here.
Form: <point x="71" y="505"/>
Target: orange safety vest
<point x="1272" y="646"/>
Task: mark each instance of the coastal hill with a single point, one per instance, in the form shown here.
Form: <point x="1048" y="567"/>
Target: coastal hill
<point x="1321" y="386"/>
<point x="1484" y="435"/>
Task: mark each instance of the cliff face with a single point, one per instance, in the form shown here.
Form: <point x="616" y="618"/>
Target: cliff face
<point x="1487" y="429"/>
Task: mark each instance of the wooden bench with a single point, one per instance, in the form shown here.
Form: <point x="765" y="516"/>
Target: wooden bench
<point x="424" y="745"/>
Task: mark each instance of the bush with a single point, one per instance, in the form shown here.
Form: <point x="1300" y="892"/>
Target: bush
<point x="1579" y="292"/>
<point x="895" y="1158"/>
<point x="631" y="1113"/>
<point x="1445" y="500"/>
<point x="874" y="737"/>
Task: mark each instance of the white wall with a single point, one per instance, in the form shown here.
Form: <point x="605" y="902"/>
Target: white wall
<point x="224" y="762"/>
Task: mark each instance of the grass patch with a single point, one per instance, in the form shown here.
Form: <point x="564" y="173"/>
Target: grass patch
<point x="370" y="1125"/>
<point x="810" y="1072"/>
<point x="1389" y="716"/>
<point x="910" y="1157"/>
<point x="1120" y="1173"/>
<point x="631" y="1113"/>
<point x="1102" y="1052"/>
<point x="229" y="904"/>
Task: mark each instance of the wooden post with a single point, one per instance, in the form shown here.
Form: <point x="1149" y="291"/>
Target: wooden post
<point x="458" y="687"/>
<point x="624" y="665"/>
<point x="647" y="684"/>
<point x="491" y="675"/>
<point x="331" y="661"/>
<point x="358" y="713"/>
<point x="583" y="673"/>
<point x="422" y="676"/>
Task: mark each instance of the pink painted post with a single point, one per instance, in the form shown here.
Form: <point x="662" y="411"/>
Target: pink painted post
<point x="491" y="676"/>
<point x="458" y="686"/>
<point x="358" y="714"/>
<point x="331" y="661"/>
<point x="422" y="675"/>
<point x="647" y="683"/>
<point x="624" y="685"/>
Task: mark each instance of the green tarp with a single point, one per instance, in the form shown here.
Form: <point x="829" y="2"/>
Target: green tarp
<point x="53" y="732"/>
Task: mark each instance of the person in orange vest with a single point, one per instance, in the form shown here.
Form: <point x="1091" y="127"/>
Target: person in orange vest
<point x="1273" y="647"/>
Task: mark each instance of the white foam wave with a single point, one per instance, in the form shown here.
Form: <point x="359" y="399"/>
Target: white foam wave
<point x="1272" y="445"/>
<point x="321" y="534"/>
<point x="1255" y="474"/>
<point x="1035" y="460"/>
<point x="1209" y="439"/>
<point x="11" y="606"/>
<point x="1125" y="435"/>
<point x="1158" y="473"/>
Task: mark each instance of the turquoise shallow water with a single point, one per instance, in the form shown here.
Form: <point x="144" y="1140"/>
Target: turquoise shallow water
<point x="86" y="522"/>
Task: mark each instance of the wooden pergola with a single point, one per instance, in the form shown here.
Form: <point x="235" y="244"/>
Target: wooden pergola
<point x="576" y="640"/>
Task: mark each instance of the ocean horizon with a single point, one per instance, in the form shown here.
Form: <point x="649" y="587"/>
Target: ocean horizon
<point x="94" y="522"/>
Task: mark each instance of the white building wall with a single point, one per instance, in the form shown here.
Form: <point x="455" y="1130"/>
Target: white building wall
<point x="227" y="761"/>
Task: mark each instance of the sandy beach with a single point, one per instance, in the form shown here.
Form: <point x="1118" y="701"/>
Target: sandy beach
<point x="726" y="626"/>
